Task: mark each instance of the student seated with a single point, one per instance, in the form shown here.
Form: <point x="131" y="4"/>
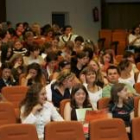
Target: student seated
<point x="79" y="99"/>
<point x="113" y="75"/>
<point x="35" y="109"/>
<point x="6" y="77"/>
<point x="59" y="88"/>
<point x="121" y="105"/>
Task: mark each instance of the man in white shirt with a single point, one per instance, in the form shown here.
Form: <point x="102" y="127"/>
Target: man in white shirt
<point x="67" y="36"/>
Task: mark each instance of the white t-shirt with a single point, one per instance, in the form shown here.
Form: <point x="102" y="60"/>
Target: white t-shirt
<point x="63" y="39"/>
<point x="41" y="118"/>
<point x="130" y="80"/>
<point x="49" y="90"/>
<point x="132" y="37"/>
<point x="94" y="97"/>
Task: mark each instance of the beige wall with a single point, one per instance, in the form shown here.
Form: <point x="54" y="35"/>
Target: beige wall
<point x="80" y="13"/>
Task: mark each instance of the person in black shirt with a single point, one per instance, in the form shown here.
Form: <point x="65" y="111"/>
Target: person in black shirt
<point x="60" y="89"/>
<point x="121" y="105"/>
<point x="79" y="62"/>
<point x="6" y="77"/>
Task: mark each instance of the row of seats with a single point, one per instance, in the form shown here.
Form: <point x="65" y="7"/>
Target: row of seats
<point x="116" y="40"/>
<point x="109" y="129"/>
<point x="15" y="95"/>
<point x="8" y="109"/>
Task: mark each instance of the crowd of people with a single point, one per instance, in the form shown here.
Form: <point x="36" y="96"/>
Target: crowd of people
<point x="57" y="64"/>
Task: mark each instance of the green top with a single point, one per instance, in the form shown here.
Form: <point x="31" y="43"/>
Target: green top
<point x="107" y="90"/>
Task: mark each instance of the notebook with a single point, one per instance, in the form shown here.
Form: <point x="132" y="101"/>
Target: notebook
<point x="81" y="113"/>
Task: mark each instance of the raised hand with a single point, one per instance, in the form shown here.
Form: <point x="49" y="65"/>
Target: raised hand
<point x="29" y="76"/>
<point x="16" y="65"/>
<point x="37" y="108"/>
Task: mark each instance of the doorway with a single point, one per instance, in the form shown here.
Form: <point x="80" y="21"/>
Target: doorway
<point x="60" y="18"/>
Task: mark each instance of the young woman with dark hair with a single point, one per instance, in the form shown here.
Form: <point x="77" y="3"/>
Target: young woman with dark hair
<point x="121" y="105"/>
<point x="105" y="60"/>
<point x="79" y="99"/>
<point x="18" y="67"/>
<point x="126" y="74"/>
<point x="33" y="75"/>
